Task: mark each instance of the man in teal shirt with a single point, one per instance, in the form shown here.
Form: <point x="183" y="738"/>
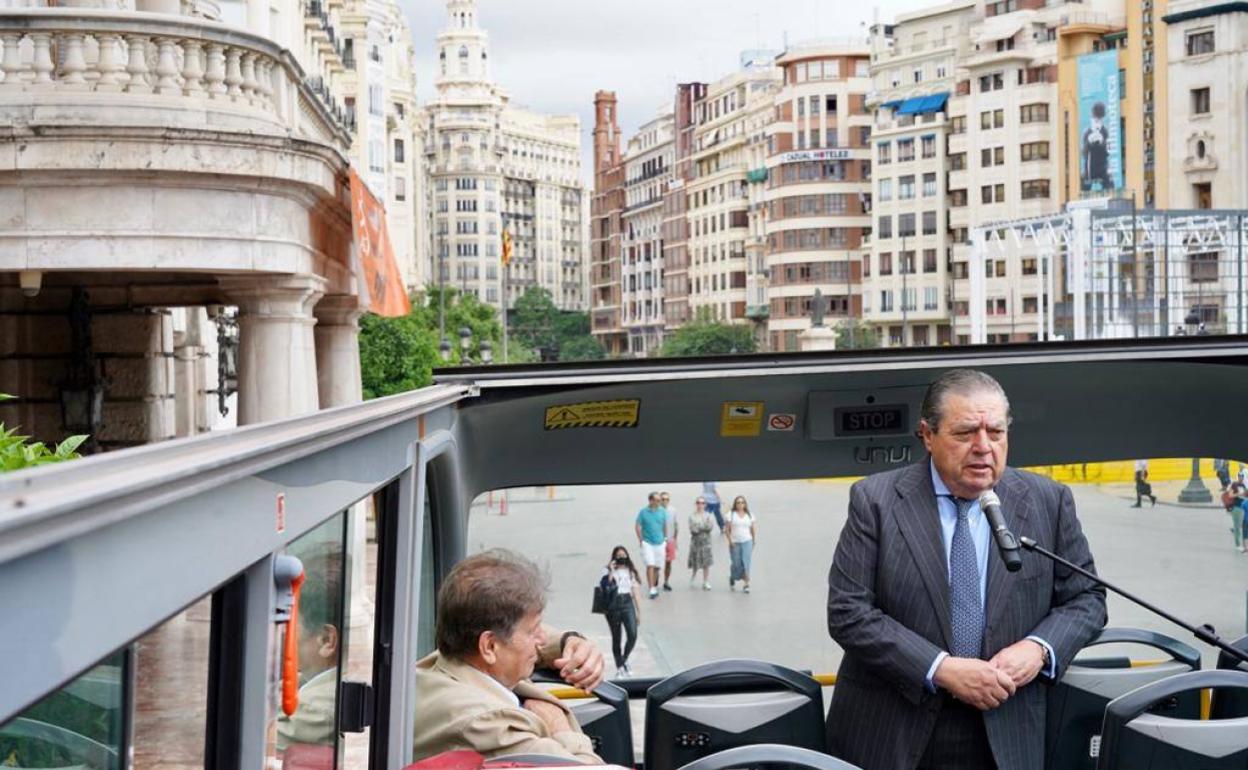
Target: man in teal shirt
<point x="651" y="527"/>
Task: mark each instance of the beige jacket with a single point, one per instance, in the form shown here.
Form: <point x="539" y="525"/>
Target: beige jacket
<point x="458" y="707"/>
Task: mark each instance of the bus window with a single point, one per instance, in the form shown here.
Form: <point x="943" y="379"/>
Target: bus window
<point x="428" y="583"/>
<point x="171" y="689"/>
<point x="1176" y="552"/>
<point x="308" y="738"/>
<point x="80" y="725"/>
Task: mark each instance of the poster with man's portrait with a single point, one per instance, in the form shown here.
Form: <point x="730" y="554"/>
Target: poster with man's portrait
<point x="1100" y="123"/>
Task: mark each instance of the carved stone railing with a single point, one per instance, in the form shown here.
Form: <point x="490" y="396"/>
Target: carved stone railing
<point x="80" y="57"/>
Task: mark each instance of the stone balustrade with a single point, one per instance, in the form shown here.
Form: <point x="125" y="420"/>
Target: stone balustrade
<point x="146" y="60"/>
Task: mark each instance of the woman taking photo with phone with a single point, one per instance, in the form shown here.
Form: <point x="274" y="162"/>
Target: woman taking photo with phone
<point x="623" y="615"/>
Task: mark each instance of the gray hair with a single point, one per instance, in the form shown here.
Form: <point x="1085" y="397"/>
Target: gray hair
<point x="491" y="591"/>
<point x="960" y="382"/>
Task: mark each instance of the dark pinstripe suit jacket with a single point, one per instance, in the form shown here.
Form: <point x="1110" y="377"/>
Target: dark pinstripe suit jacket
<point x="888" y="608"/>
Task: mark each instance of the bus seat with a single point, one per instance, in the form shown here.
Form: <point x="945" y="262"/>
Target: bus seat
<point x="1134" y="738"/>
<point x="535" y="760"/>
<point x="606" y="721"/>
<point x="730" y="703"/>
<point x="768" y="754"/>
<point x="1228" y="704"/>
<point x="1077" y="703"/>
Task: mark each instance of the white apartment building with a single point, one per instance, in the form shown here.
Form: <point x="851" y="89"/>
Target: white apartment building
<point x="378" y="89"/>
<point x="1003" y="135"/>
<point x="493" y="165"/>
<point x="1208" y="56"/>
<point x="718" y="197"/>
<point x="907" y="285"/>
<point x="818" y="190"/>
<point x="649" y="163"/>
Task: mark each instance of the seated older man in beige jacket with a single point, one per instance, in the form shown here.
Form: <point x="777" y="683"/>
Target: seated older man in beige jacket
<point x="474" y="693"/>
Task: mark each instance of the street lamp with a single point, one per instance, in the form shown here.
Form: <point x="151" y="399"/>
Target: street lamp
<point x="1195" y="491"/>
<point x="487" y="352"/>
<point x="444" y="349"/>
<point x="465" y="340"/>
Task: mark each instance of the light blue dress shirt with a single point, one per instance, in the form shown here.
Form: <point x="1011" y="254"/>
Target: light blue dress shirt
<point x="981" y="536"/>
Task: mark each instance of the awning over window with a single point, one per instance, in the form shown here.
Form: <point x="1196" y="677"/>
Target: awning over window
<point x="922" y="105"/>
<point x="997" y="28"/>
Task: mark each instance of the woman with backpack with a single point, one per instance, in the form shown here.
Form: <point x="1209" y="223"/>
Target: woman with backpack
<point x="623" y="615"/>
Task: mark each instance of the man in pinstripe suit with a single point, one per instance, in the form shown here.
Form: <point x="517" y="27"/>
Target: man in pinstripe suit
<point x="942" y="644"/>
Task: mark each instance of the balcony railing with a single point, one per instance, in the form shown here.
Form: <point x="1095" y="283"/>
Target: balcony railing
<point x="119" y="60"/>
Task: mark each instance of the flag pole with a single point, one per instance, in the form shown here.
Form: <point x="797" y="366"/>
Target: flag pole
<point x="506" y="251"/>
<point x="506" y="271"/>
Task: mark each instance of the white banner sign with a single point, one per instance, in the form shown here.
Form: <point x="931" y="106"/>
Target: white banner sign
<point x="805" y="155"/>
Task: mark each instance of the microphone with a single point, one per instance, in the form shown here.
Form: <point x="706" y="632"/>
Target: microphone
<point x="1007" y="544"/>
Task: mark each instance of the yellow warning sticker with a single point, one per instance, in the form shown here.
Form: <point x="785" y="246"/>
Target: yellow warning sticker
<point x="594" y="414"/>
<point x="741" y="418"/>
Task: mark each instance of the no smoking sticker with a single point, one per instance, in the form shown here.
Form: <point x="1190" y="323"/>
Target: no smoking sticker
<point x="781" y="422"/>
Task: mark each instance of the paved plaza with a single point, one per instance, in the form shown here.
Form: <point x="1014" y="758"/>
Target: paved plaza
<point x="1179" y="557"/>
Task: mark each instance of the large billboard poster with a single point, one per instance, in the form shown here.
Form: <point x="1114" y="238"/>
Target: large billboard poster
<point x="1100" y="124"/>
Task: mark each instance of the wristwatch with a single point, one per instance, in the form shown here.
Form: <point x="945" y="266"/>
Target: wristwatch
<point x="563" y="640"/>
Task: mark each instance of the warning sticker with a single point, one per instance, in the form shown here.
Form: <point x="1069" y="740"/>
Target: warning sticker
<point x="594" y="414"/>
<point x="781" y="422"/>
<point x="741" y="418"/>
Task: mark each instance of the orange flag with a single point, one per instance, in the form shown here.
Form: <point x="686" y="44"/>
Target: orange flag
<point x="381" y="283"/>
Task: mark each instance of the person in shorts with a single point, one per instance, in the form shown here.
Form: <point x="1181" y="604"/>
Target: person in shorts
<point x="651" y="527"/>
<point x="673" y="531"/>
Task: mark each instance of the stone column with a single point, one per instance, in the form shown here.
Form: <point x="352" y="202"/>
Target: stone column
<point x="258" y="17"/>
<point x="338" y="350"/>
<point x="277" y="355"/>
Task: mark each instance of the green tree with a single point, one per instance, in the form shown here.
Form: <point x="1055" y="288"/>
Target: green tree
<point x="851" y="335"/>
<point x="536" y="323"/>
<point x="705" y="336"/>
<point x="582" y="348"/>
<point x="535" y="320"/>
<point x="396" y="354"/>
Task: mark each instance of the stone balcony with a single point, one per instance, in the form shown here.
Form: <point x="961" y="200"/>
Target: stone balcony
<point x="152" y="161"/>
<point x="142" y="141"/>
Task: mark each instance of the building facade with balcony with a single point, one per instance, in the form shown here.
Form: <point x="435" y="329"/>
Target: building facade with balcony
<point x="817" y="195"/>
<point x="1003" y="138"/>
<point x="378" y="90"/>
<point x="676" y="284"/>
<point x="907" y="284"/>
<point x="649" y="164"/>
<point x="718" y="195"/>
<point x="175" y="165"/>
<point x="493" y="165"/>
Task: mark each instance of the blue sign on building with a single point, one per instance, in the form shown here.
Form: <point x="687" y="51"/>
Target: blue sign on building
<point x="1100" y="123"/>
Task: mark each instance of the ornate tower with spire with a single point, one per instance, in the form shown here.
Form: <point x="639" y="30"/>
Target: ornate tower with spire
<point x="463" y="50"/>
<point x="497" y="167"/>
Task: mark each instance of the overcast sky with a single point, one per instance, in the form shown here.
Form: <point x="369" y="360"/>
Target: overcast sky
<point x="552" y="55"/>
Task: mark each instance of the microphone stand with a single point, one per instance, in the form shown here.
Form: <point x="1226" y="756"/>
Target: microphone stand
<point x="1205" y="633"/>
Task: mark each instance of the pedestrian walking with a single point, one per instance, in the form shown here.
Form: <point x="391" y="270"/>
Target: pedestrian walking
<point x="1142" y="487"/>
<point x="1236" y="501"/>
<point x="624" y="614"/>
<point x="742" y="533"/>
<point x="651" y="528"/>
<point x="673" y="530"/>
<point x="1223" y="470"/>
<point x="710" y="493"/>
<point x="701" y="525"/>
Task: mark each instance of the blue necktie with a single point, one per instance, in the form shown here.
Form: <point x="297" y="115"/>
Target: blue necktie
<point x="966" y="613"/>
